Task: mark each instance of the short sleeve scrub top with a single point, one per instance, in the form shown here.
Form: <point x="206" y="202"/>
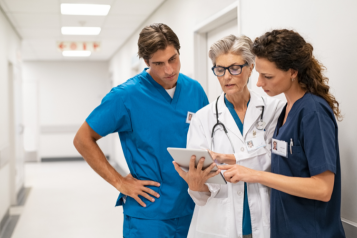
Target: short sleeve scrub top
<point x="312" y="127"/>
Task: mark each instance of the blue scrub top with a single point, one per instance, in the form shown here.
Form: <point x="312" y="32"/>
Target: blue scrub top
<point x="312" y="126"/>
<point x="148" y="121"/>
<point x="247" y="223"/>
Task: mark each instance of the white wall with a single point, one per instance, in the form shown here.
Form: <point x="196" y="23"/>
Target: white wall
<point x="330" y="26"/>
<point x="9" y="48"/>
<point x="182" y="17"/>
<point x="66" y="94"/>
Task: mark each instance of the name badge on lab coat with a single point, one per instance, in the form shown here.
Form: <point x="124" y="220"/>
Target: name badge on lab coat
<point x="255" y="143"/>
<point x="279" y="147"/>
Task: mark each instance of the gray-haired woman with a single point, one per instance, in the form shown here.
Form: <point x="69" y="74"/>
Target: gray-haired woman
<point x="237" y="128"/>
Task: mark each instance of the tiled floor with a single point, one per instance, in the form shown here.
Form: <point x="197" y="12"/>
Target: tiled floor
<point x="68" y="200"/>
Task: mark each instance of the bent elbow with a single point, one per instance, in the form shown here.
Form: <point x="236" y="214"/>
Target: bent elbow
<point x="76" y="141"/>
<point x="325" y="195"/>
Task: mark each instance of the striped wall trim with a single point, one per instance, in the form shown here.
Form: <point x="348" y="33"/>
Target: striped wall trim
<point x="59" y="129"/>
<point x="63" y="159"/>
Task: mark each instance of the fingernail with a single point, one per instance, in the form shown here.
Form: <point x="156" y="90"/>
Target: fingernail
<point x="157" y="195"/>
<point x="158" y="184"/>
<point x="153" y="200"/>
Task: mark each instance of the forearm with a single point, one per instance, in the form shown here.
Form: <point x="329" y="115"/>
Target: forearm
<point x="96" y="159"/>
<point x="311" y="188"/>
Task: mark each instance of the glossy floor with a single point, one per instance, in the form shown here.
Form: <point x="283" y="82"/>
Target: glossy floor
<point x="68" y="199"/>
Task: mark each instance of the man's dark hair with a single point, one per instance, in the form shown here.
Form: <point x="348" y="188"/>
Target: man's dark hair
<point x="156" y="37"/>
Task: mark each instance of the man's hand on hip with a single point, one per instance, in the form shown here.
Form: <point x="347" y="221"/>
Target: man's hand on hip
<point x="133" y="187"/>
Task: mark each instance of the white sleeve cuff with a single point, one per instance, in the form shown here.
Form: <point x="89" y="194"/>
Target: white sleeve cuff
<point x="200" y="198"/>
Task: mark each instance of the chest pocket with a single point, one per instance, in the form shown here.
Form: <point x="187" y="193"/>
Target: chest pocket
<point x="297" y="161"/>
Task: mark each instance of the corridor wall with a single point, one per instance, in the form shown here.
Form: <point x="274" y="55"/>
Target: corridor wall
<point x="10" y="53"/>
<point x="67" y="93"/>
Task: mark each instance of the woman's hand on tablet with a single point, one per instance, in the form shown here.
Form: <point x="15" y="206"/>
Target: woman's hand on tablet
<point x="197" y="177"/>
<point x="236" y="173"/>
<point x="223" y="158"/>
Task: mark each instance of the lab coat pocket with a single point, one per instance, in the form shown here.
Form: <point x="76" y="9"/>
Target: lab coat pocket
<point x="265" y="202"/>
<point x="213" y="217"/>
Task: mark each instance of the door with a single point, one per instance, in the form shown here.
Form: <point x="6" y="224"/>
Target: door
<point x="230" y="28"/>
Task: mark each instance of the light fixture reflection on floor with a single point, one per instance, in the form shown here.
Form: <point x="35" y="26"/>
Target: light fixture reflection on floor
<point x="68" y="30"/>
<point x="84" y="9"/>
<point x="77" y="53"/>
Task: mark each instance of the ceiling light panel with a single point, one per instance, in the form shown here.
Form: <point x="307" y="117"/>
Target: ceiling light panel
<point x="84" y="9"/>
<point x="76" y="53"/>
<point x="80" y="31"/>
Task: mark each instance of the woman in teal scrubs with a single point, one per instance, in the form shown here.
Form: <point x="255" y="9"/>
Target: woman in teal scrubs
<point x="305" y="165"/>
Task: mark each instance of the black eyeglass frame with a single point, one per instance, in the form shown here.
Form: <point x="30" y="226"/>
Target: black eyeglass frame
<point x="225" y="69"/>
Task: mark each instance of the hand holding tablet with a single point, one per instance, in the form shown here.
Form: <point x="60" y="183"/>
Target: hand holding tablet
<point x="183" y="158"/>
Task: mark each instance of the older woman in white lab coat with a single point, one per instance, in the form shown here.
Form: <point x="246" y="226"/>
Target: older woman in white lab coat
<point x="232" y="210"/>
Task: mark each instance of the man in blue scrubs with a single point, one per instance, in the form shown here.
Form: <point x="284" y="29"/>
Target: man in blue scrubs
<point x="150" y="112"/>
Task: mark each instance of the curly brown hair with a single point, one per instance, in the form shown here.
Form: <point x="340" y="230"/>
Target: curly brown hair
<point x="288" y="50"/>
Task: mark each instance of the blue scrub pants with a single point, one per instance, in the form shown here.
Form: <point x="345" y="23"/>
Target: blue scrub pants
<point x="140" y="228"/>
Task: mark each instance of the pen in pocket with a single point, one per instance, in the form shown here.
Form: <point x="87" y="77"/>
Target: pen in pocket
<point x="291" y="145"/>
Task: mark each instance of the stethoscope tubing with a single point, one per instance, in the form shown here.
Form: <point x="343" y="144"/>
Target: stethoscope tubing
<point x="218" y="123"/>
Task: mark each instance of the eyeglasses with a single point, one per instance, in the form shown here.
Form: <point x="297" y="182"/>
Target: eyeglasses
<point x="219" y="71"/>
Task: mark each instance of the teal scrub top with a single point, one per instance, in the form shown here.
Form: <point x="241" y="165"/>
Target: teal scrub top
<point x="148" y="121"/>
<point x="247" y="223"/>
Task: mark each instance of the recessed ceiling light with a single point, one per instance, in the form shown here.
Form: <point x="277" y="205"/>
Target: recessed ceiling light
<point x="84" y="9"/>
<point x="80" y="30"/>
<point x="77" y="53"/>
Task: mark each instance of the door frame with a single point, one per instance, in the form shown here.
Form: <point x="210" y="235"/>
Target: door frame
<point x="228" y="14"/>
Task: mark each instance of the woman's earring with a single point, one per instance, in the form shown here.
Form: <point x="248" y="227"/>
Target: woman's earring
<point x="292" y="79"/>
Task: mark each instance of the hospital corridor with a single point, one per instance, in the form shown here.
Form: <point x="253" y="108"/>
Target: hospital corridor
<point x="108" y="106"/>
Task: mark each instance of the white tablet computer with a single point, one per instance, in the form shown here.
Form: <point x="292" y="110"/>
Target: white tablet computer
<point x="183" y="156"/>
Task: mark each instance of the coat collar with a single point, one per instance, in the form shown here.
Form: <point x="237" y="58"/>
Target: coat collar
<point x="252" y="114"/>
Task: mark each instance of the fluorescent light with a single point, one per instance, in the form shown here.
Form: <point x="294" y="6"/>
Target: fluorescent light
<point x="76" y="53"/>
<point x="84" y="9"/>
<point x="80" y="30"/>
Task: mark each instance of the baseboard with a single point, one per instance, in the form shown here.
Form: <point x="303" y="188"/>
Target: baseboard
<point x="63" y="159"/>
<point x="350" y="228"/>
<point x="4" y="222"/>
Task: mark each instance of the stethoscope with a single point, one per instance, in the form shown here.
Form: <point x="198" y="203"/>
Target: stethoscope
<point x="260" y="125"/>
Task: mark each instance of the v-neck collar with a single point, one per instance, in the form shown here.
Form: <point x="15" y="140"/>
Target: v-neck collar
<point x="234" y="114"/>
<point x="162" y="91"/>
<point x="292" y="112"/>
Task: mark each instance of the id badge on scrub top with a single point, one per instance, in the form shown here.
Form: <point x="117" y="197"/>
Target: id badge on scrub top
<point x="279" y="147"/>
<point x="255" y="143"/>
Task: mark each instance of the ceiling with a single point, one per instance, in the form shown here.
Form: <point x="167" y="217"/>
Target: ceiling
<point x="39" y="24"/>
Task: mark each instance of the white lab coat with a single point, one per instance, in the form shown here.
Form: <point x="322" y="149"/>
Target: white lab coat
<point x="220" y="213"/>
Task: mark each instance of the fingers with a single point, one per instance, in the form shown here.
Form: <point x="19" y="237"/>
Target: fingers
<point x="193" y="163"/>
<point x="152" y="192"/>
<point x="138" y="200"/>
<point x="150" y="183"/>
<point x="209" y="168"/>
<point x="200" y="164"/>
<point x="225" y="167"/>
<point x="147" y="196"/>
<point x="179" y="170"/>
<point x="212" y="174"/>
